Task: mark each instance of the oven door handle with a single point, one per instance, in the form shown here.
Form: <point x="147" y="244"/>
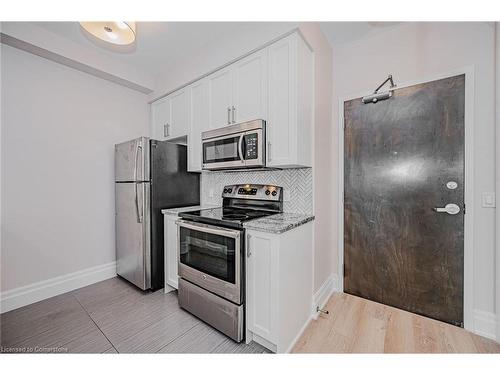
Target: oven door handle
<point x="209" y="229"/>
<point x="240" y="148"/>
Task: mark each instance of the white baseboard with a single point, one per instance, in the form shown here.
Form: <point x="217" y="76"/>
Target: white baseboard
<point x="322" y="296"/>
<point x="15" y="298"/>
<point x="485" y="324"/>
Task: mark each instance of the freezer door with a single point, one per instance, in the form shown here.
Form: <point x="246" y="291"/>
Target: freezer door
<point x="133" y="238"/>
<point x="132" y="160"/>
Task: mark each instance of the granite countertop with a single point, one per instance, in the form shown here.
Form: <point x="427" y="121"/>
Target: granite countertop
<point x="278" y="223"/>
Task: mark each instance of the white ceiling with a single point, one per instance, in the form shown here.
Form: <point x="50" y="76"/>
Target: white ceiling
<point x="344" y="32"/>
<point x="161" y="45"/>
<point x="158" y="44"/>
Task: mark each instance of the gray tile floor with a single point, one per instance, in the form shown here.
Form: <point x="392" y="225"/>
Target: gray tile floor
<point x="112" y="317"/>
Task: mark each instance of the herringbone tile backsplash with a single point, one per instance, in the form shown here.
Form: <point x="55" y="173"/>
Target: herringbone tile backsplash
<point x="298" y="182"/>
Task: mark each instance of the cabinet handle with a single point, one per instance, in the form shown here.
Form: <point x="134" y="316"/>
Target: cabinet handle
<point x="234" y="110"/>
<point x="268" y="150"/>
<point x="165" y="130"/>
<point x="228" y="115"/>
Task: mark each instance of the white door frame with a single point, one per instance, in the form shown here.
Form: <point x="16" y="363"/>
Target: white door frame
<point x="469" y="184"/>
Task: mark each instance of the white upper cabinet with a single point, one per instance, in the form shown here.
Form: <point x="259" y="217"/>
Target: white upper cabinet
<point x="274" y="84"/>
<point x="179" y="114"/>
<point x="198" y="93"/>
<point x="238" y="93"/>
<point x="170" y="116"/>
<point x="290" y="114"/>
<point x="250" y="88"/>
<point x="220" y="96"/>
<point x="160" y="118"/>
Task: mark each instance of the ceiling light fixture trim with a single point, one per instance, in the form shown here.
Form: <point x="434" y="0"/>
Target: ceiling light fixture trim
<point x="121" y="32"/>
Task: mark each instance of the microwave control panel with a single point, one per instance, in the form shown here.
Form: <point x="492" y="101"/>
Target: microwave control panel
<point x="251" y="150"/>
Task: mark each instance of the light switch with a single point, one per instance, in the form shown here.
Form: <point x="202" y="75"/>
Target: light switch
<point x="488" y="199"/>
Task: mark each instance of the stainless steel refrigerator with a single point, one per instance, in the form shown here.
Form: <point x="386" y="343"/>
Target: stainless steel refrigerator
<point x="150" y="175"/>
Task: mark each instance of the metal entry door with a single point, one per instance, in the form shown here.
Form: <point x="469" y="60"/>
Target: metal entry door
<point x="403" y="164"/>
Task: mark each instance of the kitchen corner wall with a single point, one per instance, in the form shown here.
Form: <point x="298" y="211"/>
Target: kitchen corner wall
<point x="297" y="186"/>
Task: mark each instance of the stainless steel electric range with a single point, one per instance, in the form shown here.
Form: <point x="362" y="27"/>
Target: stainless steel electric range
<point x="212" y="253"/>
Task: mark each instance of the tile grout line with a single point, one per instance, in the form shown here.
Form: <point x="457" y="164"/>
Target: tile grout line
<point x="93" y="321"/>
<point x="214" y="349"/>
<point x="33" y="335"/>
<point x="178" y="337"/>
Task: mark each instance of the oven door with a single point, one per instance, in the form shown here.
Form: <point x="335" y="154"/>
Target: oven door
<point x="223" y="152"/>
<point x="210" y="257"/>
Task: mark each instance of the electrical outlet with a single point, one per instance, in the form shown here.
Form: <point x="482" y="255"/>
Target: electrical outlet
<point x="488" y="199"/>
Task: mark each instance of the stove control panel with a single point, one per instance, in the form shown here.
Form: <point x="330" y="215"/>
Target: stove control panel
<point x="253" y="191"/>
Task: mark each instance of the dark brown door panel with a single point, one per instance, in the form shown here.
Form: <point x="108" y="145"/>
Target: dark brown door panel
<point x="399" y="155"/>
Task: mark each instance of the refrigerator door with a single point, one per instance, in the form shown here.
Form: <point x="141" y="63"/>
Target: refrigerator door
<point x="132" y="160"/>
<point x="133" y="235"/>
<point x="171" y="186"/>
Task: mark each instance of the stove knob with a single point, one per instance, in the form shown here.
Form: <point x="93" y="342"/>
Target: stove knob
<point x="274" y="193"/>
<point x="229" y="190"/>
<point x="225" y="190"/>
<point x="268" y="192"/>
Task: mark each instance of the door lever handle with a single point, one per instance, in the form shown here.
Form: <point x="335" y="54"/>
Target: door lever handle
<point x="450" y="209"/>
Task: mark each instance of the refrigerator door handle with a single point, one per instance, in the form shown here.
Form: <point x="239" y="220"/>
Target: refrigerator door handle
<point x="139" y="215"/>
<point x="139" y="146"/>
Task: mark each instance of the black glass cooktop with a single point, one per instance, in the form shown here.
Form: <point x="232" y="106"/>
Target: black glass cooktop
<point x="225" y="216"/>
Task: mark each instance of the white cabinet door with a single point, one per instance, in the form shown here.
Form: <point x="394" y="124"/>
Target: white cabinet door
<point x="199" y="123"/>
<point x="160" y="118"/>
<point x="250" y="87"/>
<point x="281" y="116"/>
<point x="220" y="94"/>
<point x="262" y="295"/>
<point x="171" y="258"/>
<point x="179" y="114"/>
<point x="290" y="111"/>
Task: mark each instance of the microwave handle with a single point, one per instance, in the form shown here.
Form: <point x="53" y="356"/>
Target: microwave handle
<point x="240" y="148"/>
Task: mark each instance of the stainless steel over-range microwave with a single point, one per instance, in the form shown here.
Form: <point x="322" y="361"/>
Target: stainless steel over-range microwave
<point x="235" y="146"/>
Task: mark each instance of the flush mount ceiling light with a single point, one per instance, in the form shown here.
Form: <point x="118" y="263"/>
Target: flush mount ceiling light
<point x="120" y="32"/>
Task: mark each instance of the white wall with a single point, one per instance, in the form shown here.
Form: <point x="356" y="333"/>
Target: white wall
<point x="58" y="130"/>
<point x="324" y="260"/>
<point x="497" y="174"/>
<point x="416" y="51"/>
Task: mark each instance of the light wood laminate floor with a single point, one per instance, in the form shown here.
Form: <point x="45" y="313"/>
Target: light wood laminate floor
<point x="112" y="317"/>
<point x="357" y="325"/>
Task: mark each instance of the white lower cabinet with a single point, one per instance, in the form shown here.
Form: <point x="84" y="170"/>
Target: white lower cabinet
<point x="170" y="256"/>
<point x="279" y="287"/>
